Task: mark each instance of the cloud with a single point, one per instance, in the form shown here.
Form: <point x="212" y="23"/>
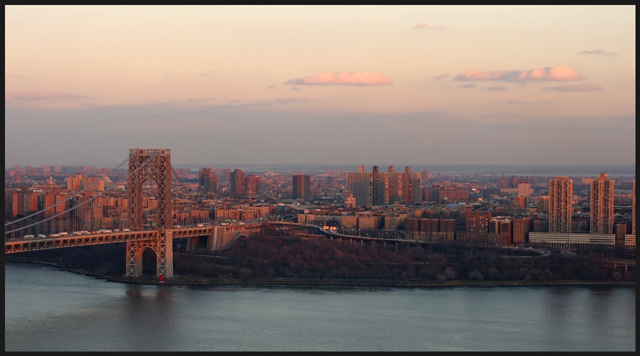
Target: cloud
<point x="213" y="71"/>
<point x="197" y="102"/>
<point x="271" y="86"/>
<point x="422" y="26"/>
<point x="40" y="95"/>
<point x="442" y="76"/>
<point x="598" y="52"/>
<point x="264" y="103"/>
<point x="497" y="88"/>
<point x="581" y="87"/>
<point x="343" y="78"/>
<point x="467" y="86"/>
<point x="557" y="73"/>
<point x="295" y="88"/>
<point x="520" y="102"/>
<point x="285" y="101"/>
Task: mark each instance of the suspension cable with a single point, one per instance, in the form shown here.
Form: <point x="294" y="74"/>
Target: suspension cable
<point x="63" y="201"/>
<point x="86" y="201"/>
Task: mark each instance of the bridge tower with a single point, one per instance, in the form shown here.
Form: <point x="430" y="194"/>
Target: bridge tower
<point x="157" y="169"/>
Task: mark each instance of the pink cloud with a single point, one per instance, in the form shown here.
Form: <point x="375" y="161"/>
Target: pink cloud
<point x="422" y="26"/>
<point x="442" y="76"/>
<point x="581" y="87"/>
<point x="39" y="95"/>
<point x="343" y="78"/>
<point x="557" y="73"/>
<point x="598" y="51"/>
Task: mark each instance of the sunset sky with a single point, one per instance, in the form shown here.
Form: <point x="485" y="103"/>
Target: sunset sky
<point x="321" y="84"/>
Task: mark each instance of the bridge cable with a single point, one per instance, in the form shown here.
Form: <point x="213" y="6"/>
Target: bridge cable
<point x="85" y="189"/>
<point x="86" y="201"/>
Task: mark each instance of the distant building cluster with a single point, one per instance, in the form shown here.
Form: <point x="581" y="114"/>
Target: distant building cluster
<point x="482" y="208"/>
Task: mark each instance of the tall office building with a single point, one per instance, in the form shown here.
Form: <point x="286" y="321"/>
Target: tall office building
<point x="208" y="181"/>
<point x="601" y="205"/>
<point x="237" y="182"/>
<point x="360" y="186"/>
<point x="301" y="187"/>
<point x="560" y="204"/>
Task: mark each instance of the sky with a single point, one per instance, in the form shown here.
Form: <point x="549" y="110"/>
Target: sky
<point x="530" y="85"/>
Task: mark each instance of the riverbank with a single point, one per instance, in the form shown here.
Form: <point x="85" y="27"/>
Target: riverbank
<point x="204" y="281"/>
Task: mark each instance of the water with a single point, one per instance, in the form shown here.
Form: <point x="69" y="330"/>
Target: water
<point x="51" y="310"/>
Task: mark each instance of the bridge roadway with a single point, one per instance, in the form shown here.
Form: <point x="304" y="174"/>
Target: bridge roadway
<point x="34" y="244"/>
<point x="542" y="252"/>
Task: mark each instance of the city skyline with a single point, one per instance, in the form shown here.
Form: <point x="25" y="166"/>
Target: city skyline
<point x="407" y="85"/>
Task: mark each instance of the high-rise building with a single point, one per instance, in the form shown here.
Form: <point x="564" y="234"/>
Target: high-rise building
<point x="411" y="190"/>
<point x="301" y="187"/>
<point x="601" y="219"/>
<point x="425" y="177"/>
<point x="476" y="225"/>
<point x="23" y="202"/>
<point x="621" y="232"/>
<point x="208" y="181"/>
<point x="380" y="187"/>
<point x="252" y="185"/>
<point x="560" y="204"/>
<point x="81" y="183"/>
<point x="394" y="184"/>
<point x="360" y="186"/>
<point x="543" y="204"/>
<point x="513" y="182"/>
<point x="223" y="173"/>
<point x="350" y="202"/>
<point x="503" y="183"/>
<point x="630" y="239"/>
<point x="521" y="230"/>
<point x="633" y="210"/>
<point x="237" y="182"/>
<point x="524" y="189"/>
<point x="520" y="202"/>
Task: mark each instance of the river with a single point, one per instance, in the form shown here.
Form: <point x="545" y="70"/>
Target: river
<point x="51" y="310"/>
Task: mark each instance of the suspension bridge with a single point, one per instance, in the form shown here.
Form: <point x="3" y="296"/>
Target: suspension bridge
<point x="78" y="220"/>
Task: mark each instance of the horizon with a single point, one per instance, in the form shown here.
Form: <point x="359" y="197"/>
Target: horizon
<point x="507" y="169"/>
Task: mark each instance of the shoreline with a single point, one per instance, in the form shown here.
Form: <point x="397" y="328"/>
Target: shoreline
<point x="205" y="281"/>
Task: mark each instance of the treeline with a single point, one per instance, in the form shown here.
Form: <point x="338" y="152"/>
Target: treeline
<point x="266" y="258"/>
<point x="99" y="260"/>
